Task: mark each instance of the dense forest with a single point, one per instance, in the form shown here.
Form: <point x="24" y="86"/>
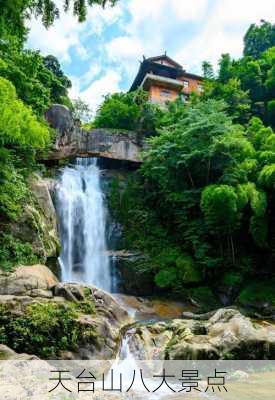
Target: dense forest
<point x="201" y="207"/>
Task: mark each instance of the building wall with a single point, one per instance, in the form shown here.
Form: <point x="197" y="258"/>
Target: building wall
<point x="159" y="94"/>
<point x="193" y="85"/>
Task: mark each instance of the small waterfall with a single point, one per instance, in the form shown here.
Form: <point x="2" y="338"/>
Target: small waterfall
<point x="82" y="220"/>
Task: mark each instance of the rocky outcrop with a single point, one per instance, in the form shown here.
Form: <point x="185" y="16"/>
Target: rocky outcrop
<point x="72" y="141"/>
<point x="37" y="224"/>
<point x="225" y="335"/>
<point x="35" y="280"/>
<point x="98" y="315"/>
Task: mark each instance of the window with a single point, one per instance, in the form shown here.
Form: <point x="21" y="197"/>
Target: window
<point x="186" y="84"/>
<point x="200" y="88"/>
<point x="165" y="93"/>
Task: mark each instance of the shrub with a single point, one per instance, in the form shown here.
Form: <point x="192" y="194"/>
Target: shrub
<point x="45" y="329"/>
<point x="14" y="252"/>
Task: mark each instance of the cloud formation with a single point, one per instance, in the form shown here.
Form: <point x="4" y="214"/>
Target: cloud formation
<point x="102" y="54"/>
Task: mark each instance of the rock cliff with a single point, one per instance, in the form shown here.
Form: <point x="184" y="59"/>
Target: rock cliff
<point x="72" y="141"/>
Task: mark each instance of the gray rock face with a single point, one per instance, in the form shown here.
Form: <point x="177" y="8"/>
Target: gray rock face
<point x="73" y="141"/>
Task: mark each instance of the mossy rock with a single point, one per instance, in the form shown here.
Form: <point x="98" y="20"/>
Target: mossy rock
<point x="259" y="295"/>
<point x="205" y="298"/>
<point x="46" y="329"/>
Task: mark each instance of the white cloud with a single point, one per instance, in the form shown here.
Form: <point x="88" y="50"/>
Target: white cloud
<point x="59" y="39"/>
<point x="124" y="48"/>
<point x="67" y="33"/>
<point x="244" y="11"/>
<point x="93" y="95"/>
<point x="223" y="31"/>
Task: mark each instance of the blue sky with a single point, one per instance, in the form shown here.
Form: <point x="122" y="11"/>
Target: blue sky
<point x="102" y="54"/>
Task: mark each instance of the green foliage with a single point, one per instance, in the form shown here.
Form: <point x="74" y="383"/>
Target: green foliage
<point x="225" y="68"/>
<point x="20" y="133"/>
<point x="208" y="71"/>
<point x="39" y="81"/>
<point x="175" y="272"/>
<point x="13" y="192"/>
<point x="271" y="111"/>
<point x="267" y="177"/>
<point x="199" y="207"/>
<point x="259" y="38"/>
<point x="129" y="111"/>
<point x="247" y="85"/>
<point x="50" y="11"/>
<point x="45" y="329"/>
<point x="219" y="205"/>
<point x="204" y="296"/>
<point x="18" y="124"/>
<point x="258" y="292"/>
<point x="232" y="278"/>
<point x="237" y="100"/>
<point x="13" y="252"/>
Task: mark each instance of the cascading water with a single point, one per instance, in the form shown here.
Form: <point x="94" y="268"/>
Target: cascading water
<point x="82" y="220"/>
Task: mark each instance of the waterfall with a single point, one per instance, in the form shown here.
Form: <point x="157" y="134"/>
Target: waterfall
<point x="82" y="221"/>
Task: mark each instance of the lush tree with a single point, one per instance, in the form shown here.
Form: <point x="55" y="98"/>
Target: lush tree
<point x="39" y="81"/>
<point x="225" y="68"/>
<point x="207" y="70"/>
<point x="238" y="100"/>
<point x="19" y="130"/>
<point x="259" y="38"/>
<point x="18" y="124"/>
<point x="129" y="111"/>
<point x="206" y="185"/>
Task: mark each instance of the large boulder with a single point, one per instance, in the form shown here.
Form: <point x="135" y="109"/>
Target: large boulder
<point x="28" y="280"/>
<point x="97" y="314"/>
